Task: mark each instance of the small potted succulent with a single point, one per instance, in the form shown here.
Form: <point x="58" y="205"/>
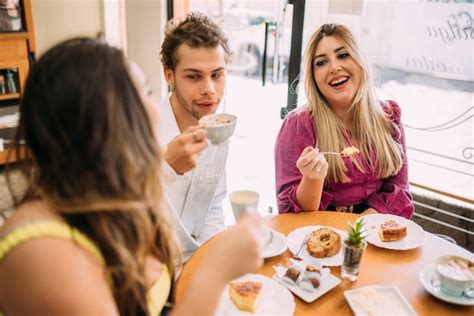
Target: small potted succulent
<point x="353" y="248"/>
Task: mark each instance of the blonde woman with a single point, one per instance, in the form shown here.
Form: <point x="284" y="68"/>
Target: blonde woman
<point x="90" y="236"/>
<point x="342" y="111"/>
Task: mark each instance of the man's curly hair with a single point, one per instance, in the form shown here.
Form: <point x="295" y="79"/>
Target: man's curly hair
<point x="197" y="30"/>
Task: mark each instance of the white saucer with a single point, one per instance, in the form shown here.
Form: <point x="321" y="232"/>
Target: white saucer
<point x="296" y="237"/>
<point x="415" y="234"/>
<point x="427" y="275"/>
<point x="277" y="246"/>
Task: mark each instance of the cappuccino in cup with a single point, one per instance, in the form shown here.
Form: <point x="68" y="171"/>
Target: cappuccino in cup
<point x="456" y="274"/>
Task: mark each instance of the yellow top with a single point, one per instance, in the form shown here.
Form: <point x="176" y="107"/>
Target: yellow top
<point x="157" y="295"/>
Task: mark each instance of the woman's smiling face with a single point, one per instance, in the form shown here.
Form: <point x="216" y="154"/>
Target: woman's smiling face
<point x="336" y="73"/>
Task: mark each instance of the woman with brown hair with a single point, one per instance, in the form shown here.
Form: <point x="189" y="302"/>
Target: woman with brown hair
<point x="89" y="236"/>
<point x="312" y="170"/>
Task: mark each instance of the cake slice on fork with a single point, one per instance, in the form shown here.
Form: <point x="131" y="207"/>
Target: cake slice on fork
<point x="349" y="151"/>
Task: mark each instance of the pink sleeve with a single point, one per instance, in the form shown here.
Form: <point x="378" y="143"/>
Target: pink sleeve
<point x="394" y="197"/>
<point x="296" y="133"/>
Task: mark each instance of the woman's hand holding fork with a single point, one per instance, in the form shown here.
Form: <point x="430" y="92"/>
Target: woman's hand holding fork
<point x="312" y="164"/>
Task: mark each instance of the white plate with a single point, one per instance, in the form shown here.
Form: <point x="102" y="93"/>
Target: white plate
<point x="428" y="277"/>
<point x="277" y="246"/>
<point x="275" y="299"/>
<point x="328" y="282"/>
<point x="415" y="234"/>
<point x="378" y="300"/>
<point x="296" y="237"/>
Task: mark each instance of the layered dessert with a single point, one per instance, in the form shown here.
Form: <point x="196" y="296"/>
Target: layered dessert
<point x="392" y="231"/>
<point x="245" y="295"/>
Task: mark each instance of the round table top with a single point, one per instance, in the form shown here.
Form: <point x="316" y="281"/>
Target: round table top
<point x="378" y="267"/>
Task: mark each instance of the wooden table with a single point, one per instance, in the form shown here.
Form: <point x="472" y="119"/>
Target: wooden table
<point x="378" y="267"/>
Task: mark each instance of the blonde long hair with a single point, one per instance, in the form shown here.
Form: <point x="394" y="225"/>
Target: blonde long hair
<point x="93" y="156"/>
<point x="372" y="128"/>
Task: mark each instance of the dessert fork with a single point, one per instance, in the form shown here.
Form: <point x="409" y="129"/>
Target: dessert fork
<point x="300" y="248"/>
<point x="330" y="153"/>
<point x="269" y="239"/>
<point x="346" y="152"/>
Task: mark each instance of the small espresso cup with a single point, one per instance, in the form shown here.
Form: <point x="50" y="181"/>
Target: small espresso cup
<point x="455" y="274"/>
<point x="245" y="201"/>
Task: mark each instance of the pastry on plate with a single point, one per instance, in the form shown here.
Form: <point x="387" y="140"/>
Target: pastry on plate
<point x="392" y="231"/>
<point x="312" y="268"/>
<point x="292" y="273"/>
<point x="323" y="243"/>
<point x="312" y="271"/>
<point x="314" y="282"/>
<point x="245" y="295"/>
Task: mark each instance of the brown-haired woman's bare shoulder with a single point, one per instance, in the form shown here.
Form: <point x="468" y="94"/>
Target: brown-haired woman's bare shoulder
<point x="27" y="212"/>
<point x="63" y="277"/>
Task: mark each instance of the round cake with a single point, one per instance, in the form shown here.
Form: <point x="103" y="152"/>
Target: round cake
<point x="323" y="243"/>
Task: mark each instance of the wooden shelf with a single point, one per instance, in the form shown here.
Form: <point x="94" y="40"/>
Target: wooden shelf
<point x="13" y="35"/>
<point x="17" y="51"/>
<point x="9" y="96"/>
<point x="4" y="155"/>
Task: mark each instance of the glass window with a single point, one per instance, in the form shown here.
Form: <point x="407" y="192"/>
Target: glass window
<point x="422" y="52"/>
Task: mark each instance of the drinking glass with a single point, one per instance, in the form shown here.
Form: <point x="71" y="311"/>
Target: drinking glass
<point x="351" y="264"/>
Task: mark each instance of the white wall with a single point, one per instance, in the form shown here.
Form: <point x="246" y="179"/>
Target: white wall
<point x="145" y="26"/>
<point x="57" y="20"/>
<point x="114" y="23"/>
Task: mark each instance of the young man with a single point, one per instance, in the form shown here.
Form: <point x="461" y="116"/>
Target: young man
<point x="194" y="54"/>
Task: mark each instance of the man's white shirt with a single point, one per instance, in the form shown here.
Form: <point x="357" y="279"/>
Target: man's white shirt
<point x="194" y="198"/>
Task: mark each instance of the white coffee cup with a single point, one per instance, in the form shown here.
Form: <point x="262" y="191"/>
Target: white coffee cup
<point x="219" y="127"/>
<point x="455" y="274"/>
<point x="246" y="201"/>
<point x="243" y="201"/>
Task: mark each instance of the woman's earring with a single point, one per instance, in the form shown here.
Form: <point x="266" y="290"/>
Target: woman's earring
<point x="171" y="88"/>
